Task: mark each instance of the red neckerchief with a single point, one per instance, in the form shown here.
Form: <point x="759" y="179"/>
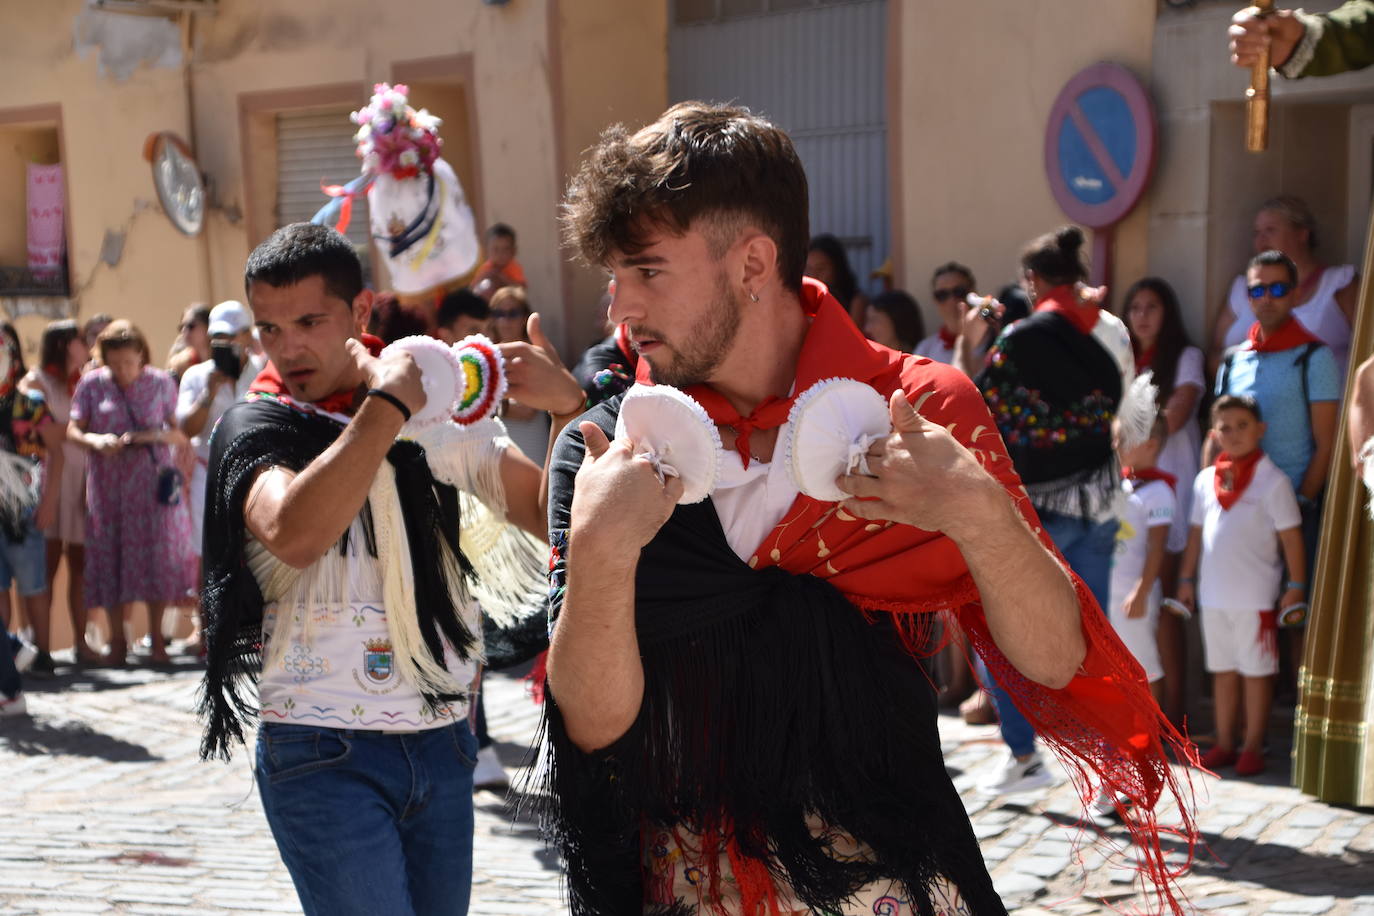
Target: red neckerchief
<point x="1148" y="474"/>
<point x="623" y="344"/>
<point x="1063" y="300"/>
<point x="947" y="338"/>
<point x="1105" y="721"/>
<point x="1241" y="471"/>
<point x="269" y="381"/>
<point x="1145" y="358"/>
<point x="1289" y="335"/>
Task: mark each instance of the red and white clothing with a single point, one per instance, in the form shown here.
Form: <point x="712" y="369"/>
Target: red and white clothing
<point x="1242" y="565"/>
<point x="1147" y="505"/>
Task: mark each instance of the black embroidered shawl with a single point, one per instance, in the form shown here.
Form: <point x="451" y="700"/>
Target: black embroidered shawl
<point x="1054" y="392"/>
<point x="768" y="697"/>
<point x="263" y="432"/>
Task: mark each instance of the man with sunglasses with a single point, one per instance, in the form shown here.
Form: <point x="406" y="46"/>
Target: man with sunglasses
<point x="1281" y="359"/>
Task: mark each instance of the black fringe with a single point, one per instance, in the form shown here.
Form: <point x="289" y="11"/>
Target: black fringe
<point x="768" y="699"/>
<point x="260" y="433"/>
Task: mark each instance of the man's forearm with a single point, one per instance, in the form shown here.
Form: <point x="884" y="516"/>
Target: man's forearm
<point x="594" y="667"/>
<point x="1028" y="598"/>
<point x="320" y="502"/>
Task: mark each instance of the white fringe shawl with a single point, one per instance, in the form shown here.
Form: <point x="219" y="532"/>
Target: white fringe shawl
<point x="509" y="563"/>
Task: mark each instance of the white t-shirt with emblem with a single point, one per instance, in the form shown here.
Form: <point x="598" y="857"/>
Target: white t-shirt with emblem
<point x="339" y="670"/>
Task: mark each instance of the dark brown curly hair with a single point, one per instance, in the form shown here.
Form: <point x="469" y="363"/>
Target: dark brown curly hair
<point x="715" y="168"/>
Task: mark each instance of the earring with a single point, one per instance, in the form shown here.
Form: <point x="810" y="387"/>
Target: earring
<point x="753" y="297"/>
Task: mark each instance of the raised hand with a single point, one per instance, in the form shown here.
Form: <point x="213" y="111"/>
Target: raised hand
<point x="535" y="375"/>
<point x="618" y="501"/>
<point x="921" y="476"/>
<point x="1250" y="33"/>
<point x="394" y="372"/>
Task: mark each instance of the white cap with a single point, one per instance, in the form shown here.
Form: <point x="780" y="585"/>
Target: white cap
<point x="230" y="318"/>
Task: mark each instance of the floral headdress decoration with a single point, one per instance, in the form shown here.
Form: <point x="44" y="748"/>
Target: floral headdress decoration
<point x="393" y="137"/>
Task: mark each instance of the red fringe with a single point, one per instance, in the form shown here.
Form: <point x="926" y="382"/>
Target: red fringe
<point x="539" y="674"/>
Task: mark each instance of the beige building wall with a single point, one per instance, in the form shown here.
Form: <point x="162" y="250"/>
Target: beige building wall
<point x="975" y="83"/>
<point x="610" y="66"/>
<point x="1207" y="186"/>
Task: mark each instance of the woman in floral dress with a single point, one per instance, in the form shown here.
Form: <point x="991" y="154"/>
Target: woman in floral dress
<point x="137" y="548"/>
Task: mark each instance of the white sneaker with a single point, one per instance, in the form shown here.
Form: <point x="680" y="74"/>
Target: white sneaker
<point x="23" y="659"/>
<point x="489" y="773"/>
<point x="1017" y="776"/>
<point x="15" y="707"/>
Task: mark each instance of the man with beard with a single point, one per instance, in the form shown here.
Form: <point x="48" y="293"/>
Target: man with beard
<point x="735" y="721"/>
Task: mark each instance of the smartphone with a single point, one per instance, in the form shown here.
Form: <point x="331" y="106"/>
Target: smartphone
<point x="226" y="359"/>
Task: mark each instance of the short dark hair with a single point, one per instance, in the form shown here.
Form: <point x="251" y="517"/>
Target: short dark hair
<point x="1275" y="258"/>
<point x="1236" y="402"/>
<point x="901" y="308"/>
<point x="501" y="231"/>
<point x="52" y="347"/>
<point x="301" y="250"/>
<point x="720" y="164"/>
<point x="953" y="267"/>
<point x="1057" y="256"/>
<point x="462" y="302"/>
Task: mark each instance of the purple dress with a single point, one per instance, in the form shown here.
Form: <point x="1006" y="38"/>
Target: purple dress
<point x="136" y="548"/>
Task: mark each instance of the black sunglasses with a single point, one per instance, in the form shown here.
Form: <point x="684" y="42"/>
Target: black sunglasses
<point x="944" y="295"/>
<point x="1272" y="290"/>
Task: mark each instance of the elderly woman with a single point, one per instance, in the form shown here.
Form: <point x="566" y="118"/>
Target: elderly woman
<point x="137" y="527"/>
<point x="1325" y="295"/>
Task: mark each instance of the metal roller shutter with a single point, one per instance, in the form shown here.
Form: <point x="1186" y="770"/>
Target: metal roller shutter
<point x="817" y="69"/>
<point x="316" y="147"/>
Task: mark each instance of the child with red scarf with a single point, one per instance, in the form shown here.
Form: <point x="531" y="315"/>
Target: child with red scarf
<point x="1145" y="517"/>
<point x="1243" y="513"/>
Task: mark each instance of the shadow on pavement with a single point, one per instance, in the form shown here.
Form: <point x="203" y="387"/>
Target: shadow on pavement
<point x="33" y="737"/>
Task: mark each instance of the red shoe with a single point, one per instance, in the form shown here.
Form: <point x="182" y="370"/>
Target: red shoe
<point x="1217" y="758"/>
<point x="1251" y="763"/>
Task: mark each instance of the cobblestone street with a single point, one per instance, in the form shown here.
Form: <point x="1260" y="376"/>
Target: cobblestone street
<point x="109" y="811"/>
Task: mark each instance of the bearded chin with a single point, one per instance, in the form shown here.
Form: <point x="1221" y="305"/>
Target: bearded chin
<point x="698" y="358"/>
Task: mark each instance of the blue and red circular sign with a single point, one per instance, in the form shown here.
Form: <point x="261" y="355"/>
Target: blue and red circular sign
<point x="1100" y="145"/>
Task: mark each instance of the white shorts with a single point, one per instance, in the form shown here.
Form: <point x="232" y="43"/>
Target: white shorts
<point x="1139" y="637"/>
<point x="1234" y="641"/>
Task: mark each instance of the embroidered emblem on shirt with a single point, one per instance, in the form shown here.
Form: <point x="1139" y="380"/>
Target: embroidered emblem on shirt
<point x="377" y="660"/>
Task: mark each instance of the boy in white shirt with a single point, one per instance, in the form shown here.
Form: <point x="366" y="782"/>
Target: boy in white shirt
<point x="1244" y="511"/>
<point x="1147" y="512"/>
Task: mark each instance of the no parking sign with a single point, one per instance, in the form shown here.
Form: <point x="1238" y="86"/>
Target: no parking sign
<point x="1100" y="149"/>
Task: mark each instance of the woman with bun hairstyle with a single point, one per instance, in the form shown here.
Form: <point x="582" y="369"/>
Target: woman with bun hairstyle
<point x="1054" y="382"/>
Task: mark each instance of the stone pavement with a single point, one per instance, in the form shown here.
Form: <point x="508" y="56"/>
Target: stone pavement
<point x="108" y="810"/>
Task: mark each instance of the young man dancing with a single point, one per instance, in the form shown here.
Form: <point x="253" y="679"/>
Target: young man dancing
<point x="736" y="722"/>
<point x="333" y="566"/>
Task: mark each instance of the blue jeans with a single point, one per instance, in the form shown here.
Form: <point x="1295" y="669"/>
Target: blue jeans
<point x="1088" y="548"/>
<point x="369" y="822"/>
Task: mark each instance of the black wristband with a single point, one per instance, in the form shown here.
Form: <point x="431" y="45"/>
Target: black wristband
<point x="392" y="400"/>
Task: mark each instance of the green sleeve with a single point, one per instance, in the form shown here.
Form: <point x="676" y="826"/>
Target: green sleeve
<point x="1347" y="40"/>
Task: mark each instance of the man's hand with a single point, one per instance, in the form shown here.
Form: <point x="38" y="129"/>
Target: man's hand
<point x="1136" y="603"/>
<point x="535" y="375"/>
<point x="395" y="372"/>
<point x="618" y="502"/>
<point x="46" y="515"/>
<point x="1250" y="33"/>
<point x="922" y="476"/>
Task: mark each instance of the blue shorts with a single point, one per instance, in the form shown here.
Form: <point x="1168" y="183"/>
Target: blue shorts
<point x="25" y="563"/>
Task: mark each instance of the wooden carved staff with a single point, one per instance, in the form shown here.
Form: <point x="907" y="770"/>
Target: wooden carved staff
<point x="1257" y="96"/>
